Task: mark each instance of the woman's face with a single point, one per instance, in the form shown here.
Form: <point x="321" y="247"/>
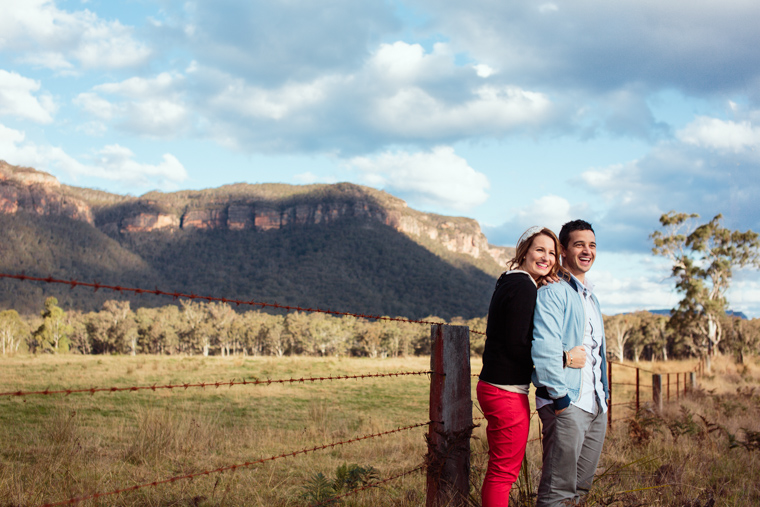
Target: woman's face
<point x="540" y="258"/>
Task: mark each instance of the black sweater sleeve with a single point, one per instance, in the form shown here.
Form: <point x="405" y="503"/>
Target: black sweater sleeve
<point x="506" y="358"/>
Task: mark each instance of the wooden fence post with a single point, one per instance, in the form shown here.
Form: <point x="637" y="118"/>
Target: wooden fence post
<point x="637" y="391"/>
<point x="609" y="386"/>
<point x="448" y="457"/>
<point x="657" y="392"/>
<point x="692" y="380"/>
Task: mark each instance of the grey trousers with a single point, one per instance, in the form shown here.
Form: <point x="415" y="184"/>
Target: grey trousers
<point x="572" y="444"/>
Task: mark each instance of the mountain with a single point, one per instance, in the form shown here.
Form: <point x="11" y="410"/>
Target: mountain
<point x="344" y="247"/>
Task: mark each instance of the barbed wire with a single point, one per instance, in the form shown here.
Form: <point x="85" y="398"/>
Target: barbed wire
<point x="176" y="295"/>
<point x="93" y="390"/>
<point x="367" y="486"/>
<point x="233" y="468"/>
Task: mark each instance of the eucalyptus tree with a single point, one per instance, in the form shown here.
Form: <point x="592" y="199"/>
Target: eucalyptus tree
<point x="13" y="331"/>
<point x="703" y="258"/>
<point x="52" y="334"/>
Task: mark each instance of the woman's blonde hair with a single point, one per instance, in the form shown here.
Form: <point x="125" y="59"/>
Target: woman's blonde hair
<point x="524" y="243"/>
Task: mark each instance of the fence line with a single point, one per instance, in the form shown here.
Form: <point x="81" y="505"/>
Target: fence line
<point x="176" y="295"/>
<point x="303" y="380"/>
<point x="233" y="468"/>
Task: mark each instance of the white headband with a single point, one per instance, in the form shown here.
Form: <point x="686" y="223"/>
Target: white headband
<point x="527" y="235"/>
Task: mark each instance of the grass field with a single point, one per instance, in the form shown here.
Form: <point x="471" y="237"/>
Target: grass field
<point x="57" y="447"/>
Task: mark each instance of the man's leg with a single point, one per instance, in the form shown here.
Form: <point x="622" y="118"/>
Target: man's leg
<point x="591" y="451"/>
<point x="563" y="441"/>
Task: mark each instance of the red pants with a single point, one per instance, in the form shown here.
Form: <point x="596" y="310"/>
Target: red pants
<point x="508" y="416"/>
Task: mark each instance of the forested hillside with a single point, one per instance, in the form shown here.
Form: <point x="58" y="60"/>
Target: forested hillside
<point x="341" y="247"/>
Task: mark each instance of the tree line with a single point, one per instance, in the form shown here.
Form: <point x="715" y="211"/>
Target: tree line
<point x="201" y="328"/>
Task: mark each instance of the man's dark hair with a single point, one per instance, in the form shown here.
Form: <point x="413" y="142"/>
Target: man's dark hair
<point x="575" y="225"/>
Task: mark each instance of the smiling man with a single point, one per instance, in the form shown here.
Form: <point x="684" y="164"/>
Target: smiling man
<point x="571" y="402"/>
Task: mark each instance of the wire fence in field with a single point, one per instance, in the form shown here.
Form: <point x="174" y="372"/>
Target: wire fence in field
<point x="625" y="396"/>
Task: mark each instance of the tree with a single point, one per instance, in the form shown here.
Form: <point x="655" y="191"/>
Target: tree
<point x="52" y="335"/>
<point x="703" y="262"/>
<point x="13" y="330"/>
<point x="618" y="329"/>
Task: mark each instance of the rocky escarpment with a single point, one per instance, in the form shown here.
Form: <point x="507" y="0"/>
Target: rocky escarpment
<point x="459" y="235"/>
<point x="244" y="207"/>
<point x="39" y="193"/>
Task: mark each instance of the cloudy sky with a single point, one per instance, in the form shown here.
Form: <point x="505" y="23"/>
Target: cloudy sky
<point x="513" y="113"/>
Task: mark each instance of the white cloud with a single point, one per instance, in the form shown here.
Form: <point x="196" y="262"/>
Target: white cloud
<point x="547" y="8"/>
<point x="148" y="107"/>
<point x="278" y="104"/>
<point x="116" y="162"/>
<point x="17" y="98"/>
<point x="490" y="110"/>
<point x="720" y="134"/>
<point x="96" y="105"/>
<point x="113" y="162"/>
<point x="41" y="33"/>
<point x="403" y="63"/>
<point x="440" y="177"/>
<point x="483" y="70"/>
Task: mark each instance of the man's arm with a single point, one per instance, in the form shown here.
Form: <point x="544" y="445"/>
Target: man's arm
<point x="547" y="349"/>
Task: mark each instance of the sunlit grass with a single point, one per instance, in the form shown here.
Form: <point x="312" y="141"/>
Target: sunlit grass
<point x="56" y="447"/>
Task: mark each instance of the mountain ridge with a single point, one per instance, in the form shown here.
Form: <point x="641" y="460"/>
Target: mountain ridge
<point x="159" y="237"/>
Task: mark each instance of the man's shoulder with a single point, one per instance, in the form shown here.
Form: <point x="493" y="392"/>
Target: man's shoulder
<point x="560" y="287"/>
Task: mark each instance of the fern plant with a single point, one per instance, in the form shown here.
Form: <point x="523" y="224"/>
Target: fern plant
<point x="319" y="490"/>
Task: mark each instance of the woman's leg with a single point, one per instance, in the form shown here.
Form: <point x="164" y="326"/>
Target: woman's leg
<point x="508" y="416"/>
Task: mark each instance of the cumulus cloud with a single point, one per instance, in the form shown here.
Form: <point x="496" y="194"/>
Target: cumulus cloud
<point x="153" y="107"/>
<point x="597" y="45"/>
<point x="711" y="167"/>
<point x="437" y="178"/>
<point x="116" y="162"/>
<point x="272" y="42"/>
<point x="41" y="33"/>
<point x="547" y="211"/>
<point x="17" y="98"/>
<point x="416" y="114"/>
<point x="112" y="162"/>
<point x="721" y="134"/>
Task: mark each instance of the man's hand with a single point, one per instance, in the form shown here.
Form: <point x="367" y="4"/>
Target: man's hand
<point x="558" y="412"/>
<point x="576" y="357"/>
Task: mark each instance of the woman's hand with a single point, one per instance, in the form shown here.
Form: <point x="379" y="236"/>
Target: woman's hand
<point x="546" y="280"/>
<point x="576" y="357"/>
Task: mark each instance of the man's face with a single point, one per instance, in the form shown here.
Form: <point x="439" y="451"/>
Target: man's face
<point x="580" y="253"/>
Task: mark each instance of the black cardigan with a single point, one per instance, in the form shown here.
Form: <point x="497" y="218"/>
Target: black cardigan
<point x="509" y="332"/>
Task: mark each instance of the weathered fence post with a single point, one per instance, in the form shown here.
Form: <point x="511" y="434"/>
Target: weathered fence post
<point x="609" y="384"/>
<point x="448" y="457"/>
<point x="657" y="392"/>
<point x="637" y="390"/>
<point x="678" y="386"/>
<point x="692" y="380"/>
<point x="668" y="377"/>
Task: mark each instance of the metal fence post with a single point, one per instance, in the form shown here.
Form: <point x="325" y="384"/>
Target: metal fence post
<point x="448" y="457"/>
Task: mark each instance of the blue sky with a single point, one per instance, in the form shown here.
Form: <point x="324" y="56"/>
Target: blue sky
<point x="512" y="113"/>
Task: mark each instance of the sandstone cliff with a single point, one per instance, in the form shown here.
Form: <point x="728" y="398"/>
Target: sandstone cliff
<point x="244" y="207"/>
<point x="37" y="192"/>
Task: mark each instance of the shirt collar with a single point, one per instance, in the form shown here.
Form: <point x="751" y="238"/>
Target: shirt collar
<point x="588" y="285"/>
<point x="521" y="271"/>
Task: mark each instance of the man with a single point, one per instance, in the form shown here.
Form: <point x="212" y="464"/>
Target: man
<point x="571" y="403"/>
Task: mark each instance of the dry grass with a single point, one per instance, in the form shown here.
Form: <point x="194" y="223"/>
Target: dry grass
<point x="57" y="447"/>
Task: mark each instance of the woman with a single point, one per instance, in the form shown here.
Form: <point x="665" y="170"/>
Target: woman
<point x="507" y="366"/>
